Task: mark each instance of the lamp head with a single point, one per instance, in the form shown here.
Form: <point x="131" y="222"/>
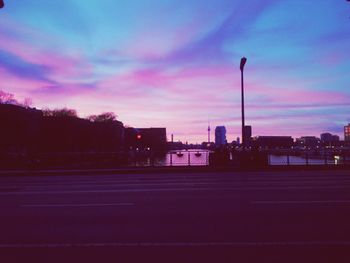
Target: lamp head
<point x="243" y="61"/>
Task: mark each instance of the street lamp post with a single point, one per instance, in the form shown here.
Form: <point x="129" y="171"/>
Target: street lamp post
<point x="1" y="4"/>
<point x="243" y="61"/>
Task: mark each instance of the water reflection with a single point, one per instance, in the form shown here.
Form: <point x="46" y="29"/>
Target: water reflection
<point x="301" y="160"/>
<point x="173" y="158"/>
<point x="201" y="158"/>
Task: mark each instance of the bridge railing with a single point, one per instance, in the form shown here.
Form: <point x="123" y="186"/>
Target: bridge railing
<point x="171" y="158"/>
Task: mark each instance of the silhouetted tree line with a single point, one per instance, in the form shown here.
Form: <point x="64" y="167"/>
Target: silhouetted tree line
<point x="8" y="98"/>
<point x="53" y="137"/>
<point x="30" y="130"/>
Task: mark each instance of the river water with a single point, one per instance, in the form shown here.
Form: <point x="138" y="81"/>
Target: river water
<point x="201" y="158"/>
<point x="177" y="158"/>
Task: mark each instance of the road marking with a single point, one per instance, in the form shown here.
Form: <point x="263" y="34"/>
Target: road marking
<point x="77" y="205"/>
<point x="301" y="202"/>
<point x="176" y="189"/>
<point x="179" y="244"/>
<point x="177" y="182"/>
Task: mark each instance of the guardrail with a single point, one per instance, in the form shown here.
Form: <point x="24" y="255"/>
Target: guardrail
<point x="183" y="158"/>
<point x="307" y="159"/>
<point x="103" y="159"/>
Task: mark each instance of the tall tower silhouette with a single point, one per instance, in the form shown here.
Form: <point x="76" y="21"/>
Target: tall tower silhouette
<point x="209" y="132"/>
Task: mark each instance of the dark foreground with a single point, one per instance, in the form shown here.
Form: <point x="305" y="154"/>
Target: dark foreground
<point x="200" y="217"/>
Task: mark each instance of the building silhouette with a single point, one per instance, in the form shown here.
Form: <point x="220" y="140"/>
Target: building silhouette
<point x="273" y="142"/>
<point x="247" y="135"/>
<point x="26" y="129"/>
<point x="347" y="133"/>
<point x="20" y="129"/>
<point x="146" y="139"/>
<point x="327" y="138"/>
<point x="220" y="136"/>
<point x="308" y="141"/>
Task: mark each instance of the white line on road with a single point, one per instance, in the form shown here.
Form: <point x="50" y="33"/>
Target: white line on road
<point x="301" y="202"/>
<point x="284" y="188"/>
<point x="179" y="244"/>
<point x="77" y="205"/>
<point x="212" y="182"/>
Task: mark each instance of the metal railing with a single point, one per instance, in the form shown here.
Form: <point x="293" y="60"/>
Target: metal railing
<point x="162" y="159"/>
<point x="171" y="158"/>
<point x="104" y="159"/>
<point x="307" y="159"/>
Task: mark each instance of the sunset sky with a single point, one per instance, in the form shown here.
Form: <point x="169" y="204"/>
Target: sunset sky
<point x="175" y="63"/>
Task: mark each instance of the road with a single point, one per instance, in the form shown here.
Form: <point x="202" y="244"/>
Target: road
<point x="189" y="217"/>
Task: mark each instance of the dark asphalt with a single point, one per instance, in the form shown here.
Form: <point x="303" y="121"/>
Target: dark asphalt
<point x="215" y="217"/>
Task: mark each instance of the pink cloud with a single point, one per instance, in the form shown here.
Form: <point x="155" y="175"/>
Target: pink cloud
<point x="18" y="85"/>
<point x="62" y="66"/>
<point x="307" y="97"/>
<point x="164" y="40"/>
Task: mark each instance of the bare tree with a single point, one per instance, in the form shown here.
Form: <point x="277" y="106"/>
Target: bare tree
<point x="64" y="112"/>
<point x="7" y="98"/>
<point x="103" y="117"/>
<point x="27" y="102"/>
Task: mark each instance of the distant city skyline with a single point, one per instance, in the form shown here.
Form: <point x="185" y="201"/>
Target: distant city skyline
<point x="176" y="64"/>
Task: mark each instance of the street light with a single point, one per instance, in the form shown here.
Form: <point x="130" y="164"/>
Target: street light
<point x="241" y="67"/>
<point x="2" y="4"/>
